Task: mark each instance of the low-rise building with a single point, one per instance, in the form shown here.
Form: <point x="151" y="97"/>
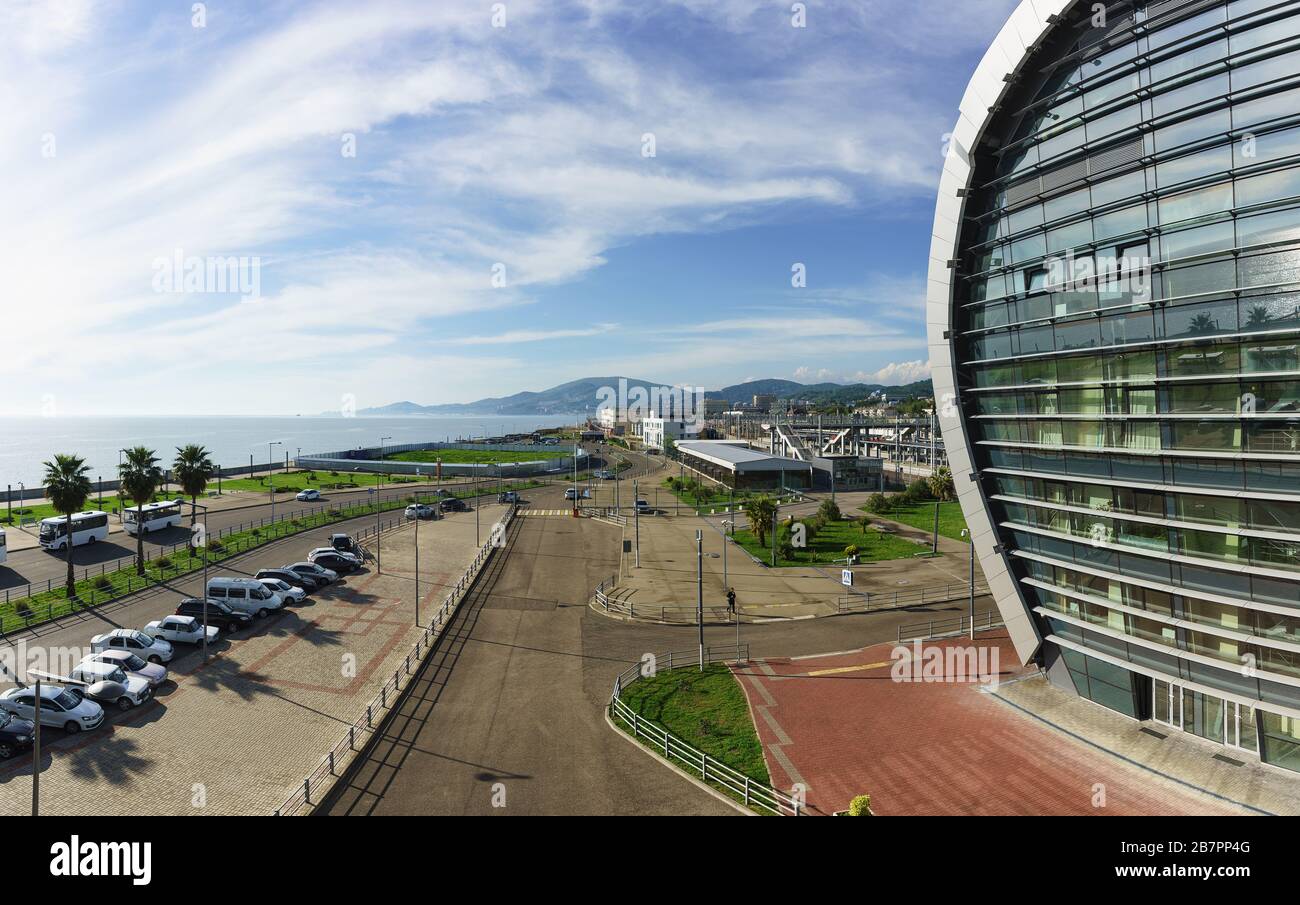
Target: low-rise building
<point x="655" y="431"/>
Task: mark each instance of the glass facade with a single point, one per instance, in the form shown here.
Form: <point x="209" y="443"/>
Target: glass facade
<point x="1126" y="347"/>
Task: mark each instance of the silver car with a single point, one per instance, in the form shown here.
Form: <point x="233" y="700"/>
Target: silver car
<point x="109" y="684"/>
<point x="154" y="673"/>
<point x="61" y="707"/>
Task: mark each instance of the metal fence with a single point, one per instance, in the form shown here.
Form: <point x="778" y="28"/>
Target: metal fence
<point x="336" y="760"/>
<point x="947" y="628"/>
<point x="754" y="794"/>
<point x="869" y="601"/>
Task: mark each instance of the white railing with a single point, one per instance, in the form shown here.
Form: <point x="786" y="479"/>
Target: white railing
<point x="753" y="794"/>
<point x="314" y="787"/>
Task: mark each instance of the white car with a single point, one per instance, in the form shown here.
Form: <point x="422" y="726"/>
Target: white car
<point x="308" y="496"/>
<point x="330" y="551"/>
<point x="61" y="707"/>
<point x="185" y="629"/>
<point x="152" y="673"/>
<point x="421" y="511"/>
<point x="288" y="593"/>
<point x="155" y="650"/>
<point x="108" y="684"/>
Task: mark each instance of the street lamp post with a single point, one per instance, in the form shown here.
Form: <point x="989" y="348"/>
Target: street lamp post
<point x="270" y="474"/>
<point x="36" y="756"/>
<point x="699" y="588"/>
<point x="965" y="532"/>
<point x="382" y="440"/>
<point x="193" y="504"/>
<point x="636" y="520"/>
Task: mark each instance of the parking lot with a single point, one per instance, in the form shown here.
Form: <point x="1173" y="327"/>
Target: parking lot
<point x="237" y="735"/>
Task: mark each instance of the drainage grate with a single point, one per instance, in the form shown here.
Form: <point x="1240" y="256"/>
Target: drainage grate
<point x="1229" y="760"/>
<point x="1159" y="735"/>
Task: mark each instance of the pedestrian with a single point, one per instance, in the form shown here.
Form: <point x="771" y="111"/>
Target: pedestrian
<point x="731" y="601"/>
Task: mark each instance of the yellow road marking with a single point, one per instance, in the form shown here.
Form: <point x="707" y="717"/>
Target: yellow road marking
<point x="843" y="669"/>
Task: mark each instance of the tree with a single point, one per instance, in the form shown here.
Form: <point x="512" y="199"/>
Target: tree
<point x="140" y="477"/>
<point x="941" y="484"/>
<point x="760" y="510"/>
<point x="67" y="487"/>
<point x="193" y="468"/>
<point x="917" y="492"/>
<point x="877" y="503"/>
<point x="829" y="511"/>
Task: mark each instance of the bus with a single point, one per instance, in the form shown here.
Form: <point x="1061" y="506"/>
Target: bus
<point x="4" y="551"/>
<point x="155" y="516"/>
<point x="87" y="527"/>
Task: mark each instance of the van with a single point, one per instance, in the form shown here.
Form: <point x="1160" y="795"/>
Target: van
<point x="244" y="595"/>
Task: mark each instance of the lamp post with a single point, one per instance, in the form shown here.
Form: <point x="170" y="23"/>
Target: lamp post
<point x="699" y="588"/>
<point x="418" y="494"/>
<point x="36" y="756"/>
<point x="204" y="544"/>
<point x="270" y="474"/>
<point x="636" y="519"/>
<point x="382" y="440"/>
<point x="965" y="532"/>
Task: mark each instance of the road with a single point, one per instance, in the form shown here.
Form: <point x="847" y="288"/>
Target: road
<point x="512" y="701"/>
<point x="37" y="567"/>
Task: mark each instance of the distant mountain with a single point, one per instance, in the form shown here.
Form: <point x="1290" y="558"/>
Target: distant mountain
<point x="581" y="397"/>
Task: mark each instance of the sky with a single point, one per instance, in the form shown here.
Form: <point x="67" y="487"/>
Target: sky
<point x="293" y="207"/>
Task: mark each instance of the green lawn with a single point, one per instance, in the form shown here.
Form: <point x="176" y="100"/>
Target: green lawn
<point x="704" y="709"/>
<point x="480" y="456"/>
<point x="921" y="515"/>
<point x="705" y="498"/>
<point x="828" y="545"/>
<point x="295" y="481"/>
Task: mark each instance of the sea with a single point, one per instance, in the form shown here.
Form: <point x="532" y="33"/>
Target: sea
<point x="27" y="442"/>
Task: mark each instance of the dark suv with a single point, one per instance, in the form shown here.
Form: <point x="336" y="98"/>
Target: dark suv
<point x="219" y="614"/>
<point x="454" y="504"/>
<point x="15" y="735"/>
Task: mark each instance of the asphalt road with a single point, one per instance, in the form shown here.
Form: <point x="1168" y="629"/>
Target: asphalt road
<point x="36" y="566"/>
<point x="511" y="701"/>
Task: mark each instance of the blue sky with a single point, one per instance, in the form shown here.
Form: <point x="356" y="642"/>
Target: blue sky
<point x="499" y="225"/>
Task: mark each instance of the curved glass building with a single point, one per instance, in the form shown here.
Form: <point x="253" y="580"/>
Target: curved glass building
<point x="1114" y="319"/>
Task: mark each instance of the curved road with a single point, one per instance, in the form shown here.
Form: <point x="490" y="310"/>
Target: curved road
<point x="512" y="700"/>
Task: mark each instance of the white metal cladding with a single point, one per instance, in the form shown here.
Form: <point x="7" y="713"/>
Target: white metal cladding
<point x="1024" y="30"/>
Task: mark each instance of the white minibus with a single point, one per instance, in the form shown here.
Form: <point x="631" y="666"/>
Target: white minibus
<point x="155" y="516"/>
<point x="87" y="527"/>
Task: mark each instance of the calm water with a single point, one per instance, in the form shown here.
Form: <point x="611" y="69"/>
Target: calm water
<point x="27" y="442"/>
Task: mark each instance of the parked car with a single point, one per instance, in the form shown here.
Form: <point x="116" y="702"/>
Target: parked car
<point x="571" y="493"/>
<point x="134" y="641"/>
<point x="288" y="593"/>
<point x="108" y="684"/>
<point x="311" y="570"/>
<point x="421" y="511"/>
<point x="61" y="707"/>
<point x="454" y="504"/>
<point x="182" y="629"/>
<point x="154" y="673"/>
<point x="220" y="614"/>
<point x="247" y="595"/>
<point x="16" y="734"/>
<point x="508" y="497"/>
<point x="308" y="496"/>
<point x="335" y="560"/>
<point x="345" y="544"/>
<point x="642" y="506"/>
<point x="290" y="577"/>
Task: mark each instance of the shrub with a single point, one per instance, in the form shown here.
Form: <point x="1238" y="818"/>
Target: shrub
<point x="919" y="491"/>
<point x="860" y="806"/>
<point x="877" y="503"/>
<point x="851" y="551"/>
<point x="828" y="511"/>
<point x="102" y="583"/>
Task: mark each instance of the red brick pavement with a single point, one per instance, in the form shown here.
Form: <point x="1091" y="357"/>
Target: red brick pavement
<point x="935" y="747"/>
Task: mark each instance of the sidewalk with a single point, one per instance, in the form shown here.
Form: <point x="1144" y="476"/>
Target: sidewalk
<point x="843" y="725"/>
<point x="664" y="588"/>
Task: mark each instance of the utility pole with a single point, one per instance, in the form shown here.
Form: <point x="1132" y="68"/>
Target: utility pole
<point x="970" y="539"/>
<point x="636" y="519"/>
<point x="36" y="754"/>
<point x="699" y="588"/>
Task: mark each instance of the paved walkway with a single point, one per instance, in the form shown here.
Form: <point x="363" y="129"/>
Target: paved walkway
<point x="841" y="725"/>
<point x="664" y="586"/>
<point x="238" y="735"/>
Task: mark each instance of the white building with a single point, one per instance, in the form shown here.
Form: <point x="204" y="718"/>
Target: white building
<point x="656" y="431"/>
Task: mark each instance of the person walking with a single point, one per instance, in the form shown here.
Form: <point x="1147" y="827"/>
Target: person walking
<point x="731" y="601"/>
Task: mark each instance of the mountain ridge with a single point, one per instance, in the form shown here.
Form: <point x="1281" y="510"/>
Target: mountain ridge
<point x="581" y="397"/>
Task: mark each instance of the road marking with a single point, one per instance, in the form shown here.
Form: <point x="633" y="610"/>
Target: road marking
<point x="843" y="669"/>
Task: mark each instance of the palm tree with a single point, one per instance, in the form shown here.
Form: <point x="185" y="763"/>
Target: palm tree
<point x="760" y="511"/>
<point x="941" y="483"/>
<point x="193" y="468"/>
<point x="67" y="488"/>
<point x="140" y="477"/>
